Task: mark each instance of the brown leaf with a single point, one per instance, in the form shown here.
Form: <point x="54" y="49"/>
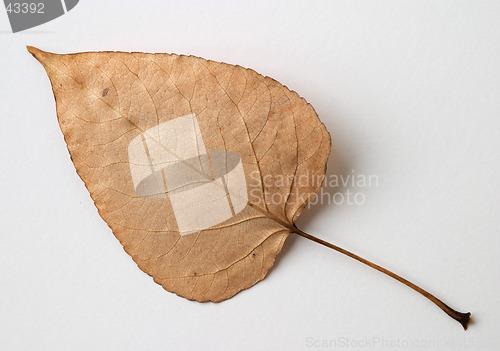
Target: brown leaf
<point x="200" y="168"/>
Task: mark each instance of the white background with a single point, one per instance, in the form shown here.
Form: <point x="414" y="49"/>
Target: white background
<point x="409" y="91"/>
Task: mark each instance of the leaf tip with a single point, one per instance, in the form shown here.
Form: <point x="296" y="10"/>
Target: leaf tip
<point x="37" y="53"/>
<point x="32" y="50"/>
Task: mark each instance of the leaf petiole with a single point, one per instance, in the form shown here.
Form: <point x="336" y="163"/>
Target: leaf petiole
<point x="463" y="318"/>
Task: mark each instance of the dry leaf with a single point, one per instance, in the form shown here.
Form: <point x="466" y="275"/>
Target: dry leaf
<point x="194" y="164"/>
<point x="200" y="168"/>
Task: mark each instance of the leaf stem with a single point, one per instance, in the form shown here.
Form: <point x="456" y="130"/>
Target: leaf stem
<point x="463" y="318"/>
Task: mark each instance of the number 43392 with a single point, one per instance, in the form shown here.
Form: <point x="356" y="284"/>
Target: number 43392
<point x="25" y="7"/>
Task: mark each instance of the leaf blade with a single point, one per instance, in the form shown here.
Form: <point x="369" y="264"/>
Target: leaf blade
<point x="106" y="99"/>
